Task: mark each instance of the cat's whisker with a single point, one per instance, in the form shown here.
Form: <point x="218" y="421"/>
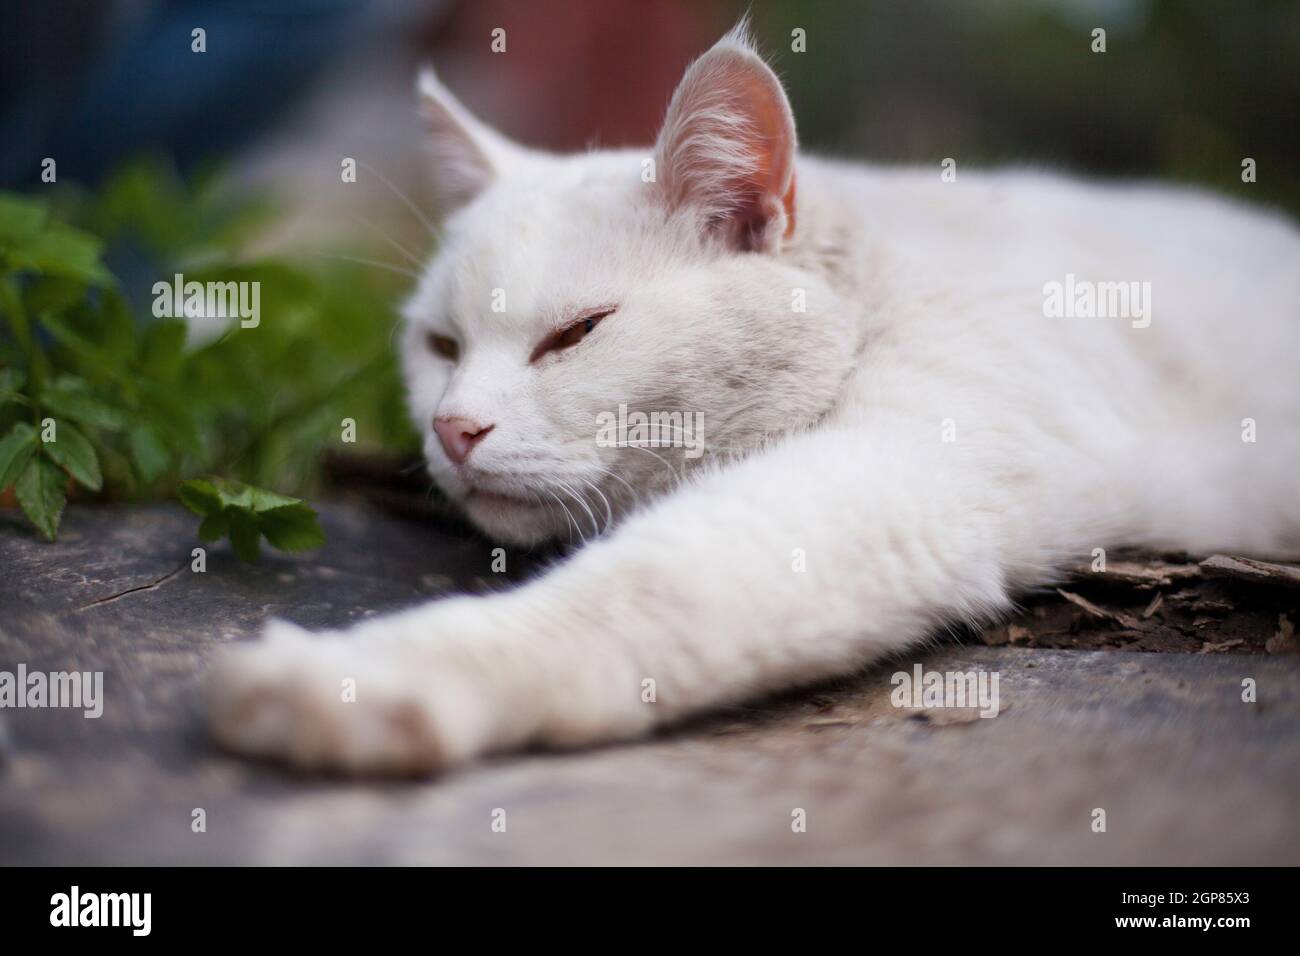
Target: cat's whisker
<point x="371" y="262"/>
<point x="573" y="524"/>
<point x="609" y="510"/>
<point x="424" y="220"/>
<point x="538" y="500"/>
<point x="548" y="494"/>
<point x="595" y="525"/>
<point x="636" y="497"/>
<point x="410" y="256"/>
<point x="689" y="437"/>
<point x="649" y="451"/>
<point x="392" y="332"/>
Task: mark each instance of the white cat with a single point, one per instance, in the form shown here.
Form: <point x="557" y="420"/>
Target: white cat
<point x="918" y="396"/>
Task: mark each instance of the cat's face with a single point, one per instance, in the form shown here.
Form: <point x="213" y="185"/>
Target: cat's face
<point x="570" y="294"/>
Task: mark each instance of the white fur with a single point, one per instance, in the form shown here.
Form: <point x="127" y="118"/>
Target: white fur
<point x="825" y="429"/>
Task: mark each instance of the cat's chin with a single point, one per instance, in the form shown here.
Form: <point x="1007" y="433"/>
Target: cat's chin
<point x="509" y="519"/>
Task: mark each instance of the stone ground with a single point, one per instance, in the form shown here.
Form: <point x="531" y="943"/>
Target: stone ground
<point x="1124" y="693"/>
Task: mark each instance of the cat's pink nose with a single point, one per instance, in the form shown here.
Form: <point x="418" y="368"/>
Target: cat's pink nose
<point x="458" y="436"/>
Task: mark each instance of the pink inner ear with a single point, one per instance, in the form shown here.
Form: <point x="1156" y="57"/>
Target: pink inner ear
<point x="770" y="143"/>
<point x="728" y="148"/>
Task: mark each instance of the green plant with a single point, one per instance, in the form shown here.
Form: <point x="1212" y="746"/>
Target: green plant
<point x="45" y="268"/>
<point x="100" y="396"/>
<point x="249" y="514"/>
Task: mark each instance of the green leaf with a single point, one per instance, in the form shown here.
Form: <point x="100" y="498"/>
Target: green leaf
<point x="263" y="500"/>
<point x="91" y="354"/>
<point x="40" y="492"/>
<point x="53" y="294"/>
<point x="61" y="251"/>
<point x="118" y="335"/>
<point x="291" y="527"/>
<point x="243" y="533"/>
<point x="16" y="450"/>
<point x="236" y="494"/>
<point x="12" y="381"/>
<point x="83" y="407"/>
<point x="176" y="415"/>
<point x="200" y="496"/>
<point x="248" y="513"/>
<point x="73" y="451"/>
<point x="20" y="218"/>
<point x="214" y="526"/>
<point x="147" y="452"/>
<point x="164" y="344"/>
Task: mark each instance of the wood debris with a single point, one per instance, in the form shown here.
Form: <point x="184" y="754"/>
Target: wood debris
<point x="1154" y="606"/>
<point x="1285" y="640"/>
<point x="1221" y="648"/>
<point x="1249" y="569"/>
<point x="1141" y="574"/>
<point x="1154" y="602"/>
<point x="1125" y="620"/>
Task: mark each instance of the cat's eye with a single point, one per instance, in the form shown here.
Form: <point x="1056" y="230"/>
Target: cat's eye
<point x="570" y="335"/>
<point x="443" y="345"/>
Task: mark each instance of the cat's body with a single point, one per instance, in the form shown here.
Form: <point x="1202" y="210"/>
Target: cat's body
<point x="1137" y="420"/>
<point x="910" y="448"/>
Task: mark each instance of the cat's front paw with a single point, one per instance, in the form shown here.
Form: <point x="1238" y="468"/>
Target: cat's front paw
<point x="327" y="702"/>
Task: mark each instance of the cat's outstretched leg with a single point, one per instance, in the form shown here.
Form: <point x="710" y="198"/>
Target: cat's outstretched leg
<point x="803" y="561"/>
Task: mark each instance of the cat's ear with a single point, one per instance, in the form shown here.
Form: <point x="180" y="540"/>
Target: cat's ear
<point x="467" y="155"/>
<point x="727" y="147"/>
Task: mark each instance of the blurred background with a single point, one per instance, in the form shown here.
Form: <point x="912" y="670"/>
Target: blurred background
<point x="225" y="160"/>
<point x="1185" y="89"/>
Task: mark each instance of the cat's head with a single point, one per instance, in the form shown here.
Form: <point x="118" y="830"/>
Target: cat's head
<point x="571" y="295"/>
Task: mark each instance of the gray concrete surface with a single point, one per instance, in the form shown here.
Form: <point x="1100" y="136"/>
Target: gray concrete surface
<point x="1186" y="772"/>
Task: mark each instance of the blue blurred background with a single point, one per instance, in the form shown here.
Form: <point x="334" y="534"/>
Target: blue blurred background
<point x="1186" y="89"/>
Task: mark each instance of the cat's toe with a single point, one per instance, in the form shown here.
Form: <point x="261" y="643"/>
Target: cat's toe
<point x="321" y="703"/>
<point x="249" y="691"/>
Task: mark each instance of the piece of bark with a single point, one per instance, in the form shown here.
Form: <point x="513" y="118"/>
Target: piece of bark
<point x="1212" y="606"/>
<point x="1154" y="606"/>
<point x="1002" y="634"/>
<point x="1119" y="617"/>
<point x="1142" y="574"/>
<point x="1249" y="569"/>
<point x="1220" y="648"/>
